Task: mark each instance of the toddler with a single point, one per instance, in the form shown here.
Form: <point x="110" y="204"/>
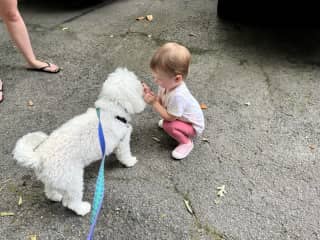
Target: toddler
<point x="181" y="115"/>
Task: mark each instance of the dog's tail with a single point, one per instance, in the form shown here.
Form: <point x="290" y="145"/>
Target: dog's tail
<point x="24" y="151"/>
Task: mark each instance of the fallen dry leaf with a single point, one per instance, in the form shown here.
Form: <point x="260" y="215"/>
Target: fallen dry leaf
<point x="6" y="214"/>
<point x="221" y="191"/>
<point x="156" y="139"/>
<point x="20" y="201"/>
<point x="33" y="237"/>
<point x="30" y="103"/>
<point x="205" y="140"/>
<point x="149" y="18"/>
<point x="203" y="106"/>
<point x="192" y="35"/>
<point x="312" y="146"/>
<point x="140" y="18"/>
<point x="3" y="183"/>
<point x="186" y="202"/>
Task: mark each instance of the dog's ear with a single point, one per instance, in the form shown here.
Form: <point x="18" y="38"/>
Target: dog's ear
<point x="110" y="91"/>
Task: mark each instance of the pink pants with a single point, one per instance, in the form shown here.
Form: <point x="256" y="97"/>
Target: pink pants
<point x="179" y="130"/>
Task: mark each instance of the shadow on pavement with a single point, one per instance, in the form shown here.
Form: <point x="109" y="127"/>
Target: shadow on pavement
<point x="58" y="5"/>
<point x="297" y="43"/>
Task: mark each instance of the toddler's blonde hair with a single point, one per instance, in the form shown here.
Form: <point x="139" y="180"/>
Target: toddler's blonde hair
<point x="172" y="58"/>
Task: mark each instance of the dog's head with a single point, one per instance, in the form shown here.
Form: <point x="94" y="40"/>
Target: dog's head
<point x="124" y="88"/>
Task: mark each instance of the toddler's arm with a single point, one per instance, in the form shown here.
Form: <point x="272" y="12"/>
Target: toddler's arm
<point x="163" y="112"/>
<point x="151" y="99"/>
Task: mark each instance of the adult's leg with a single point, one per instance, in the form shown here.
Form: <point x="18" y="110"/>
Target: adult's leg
<point x="17" y="29"/>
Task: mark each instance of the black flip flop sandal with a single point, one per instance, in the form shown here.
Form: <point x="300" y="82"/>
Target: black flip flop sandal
<point x="44" y="69"/>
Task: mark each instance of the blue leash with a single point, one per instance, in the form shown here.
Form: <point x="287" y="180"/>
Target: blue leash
<point x="99" y="192"/>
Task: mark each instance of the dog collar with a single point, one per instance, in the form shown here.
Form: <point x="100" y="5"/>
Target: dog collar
<point x="122" y="119"/>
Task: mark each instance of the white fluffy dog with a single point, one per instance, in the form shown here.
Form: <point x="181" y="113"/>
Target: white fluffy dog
<point x="59" y="159"/>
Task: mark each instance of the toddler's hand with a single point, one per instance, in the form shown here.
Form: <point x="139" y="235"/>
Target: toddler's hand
<point x="149" y="97"/>
<point x="146" y="88"/>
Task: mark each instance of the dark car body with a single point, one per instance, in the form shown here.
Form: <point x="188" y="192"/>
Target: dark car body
<point x="280" y="11"/>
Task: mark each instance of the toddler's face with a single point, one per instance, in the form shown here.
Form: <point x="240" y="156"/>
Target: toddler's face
<point x="164" y="80"/>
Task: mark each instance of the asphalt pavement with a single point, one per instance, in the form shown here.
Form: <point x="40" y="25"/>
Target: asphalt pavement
<point x="260" y="85"/>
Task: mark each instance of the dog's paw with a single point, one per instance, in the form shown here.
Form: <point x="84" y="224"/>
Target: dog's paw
<point x="130" y="162"/>
<point x="54" y="196"/>
<point x="80" y="208"/>
<point x="64" y="202"/>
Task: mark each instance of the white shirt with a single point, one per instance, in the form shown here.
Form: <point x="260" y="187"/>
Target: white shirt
<point x="180" y="103"/>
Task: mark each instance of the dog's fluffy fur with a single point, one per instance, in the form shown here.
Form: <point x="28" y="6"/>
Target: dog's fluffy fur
<point x="59" y="159"/>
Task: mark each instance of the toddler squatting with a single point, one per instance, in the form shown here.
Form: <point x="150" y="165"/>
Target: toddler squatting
<point x="181" y="115"/>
